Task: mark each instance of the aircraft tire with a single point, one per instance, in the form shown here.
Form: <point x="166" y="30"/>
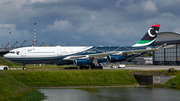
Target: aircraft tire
<point x="81" y="67"/>
<point x="5" y="68"/>
<point x="24" y="68"/>
<point x="86" y="67"/>
<point x="100" y="67"/>
<point x="92" y="66"/>
<point x="97" y="67"/>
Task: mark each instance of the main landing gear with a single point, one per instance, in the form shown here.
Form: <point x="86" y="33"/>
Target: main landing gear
<point x="93" y="66"/>
<point x="84" y="67"/>
<point x="97" y="66"/>
<point x="24" y="67"/>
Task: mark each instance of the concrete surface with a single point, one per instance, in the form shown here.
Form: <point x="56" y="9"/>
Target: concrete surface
<point x="131" y="67"/>
<point x="146" y="67"/>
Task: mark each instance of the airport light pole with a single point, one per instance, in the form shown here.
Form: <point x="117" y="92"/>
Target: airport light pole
<point x="35" y="34"/>
<point x="9" y="41"/>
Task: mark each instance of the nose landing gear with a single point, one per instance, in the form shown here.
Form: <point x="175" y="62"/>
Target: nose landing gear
<point x="24" y="67"/>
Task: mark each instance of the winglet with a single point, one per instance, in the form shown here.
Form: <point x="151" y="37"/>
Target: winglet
<point x="165" y="46"/>
<point x="162" y="46"/>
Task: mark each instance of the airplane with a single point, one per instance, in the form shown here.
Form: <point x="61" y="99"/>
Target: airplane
<point x="85" y="56"/>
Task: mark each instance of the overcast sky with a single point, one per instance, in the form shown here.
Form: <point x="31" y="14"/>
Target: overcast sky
<point x="86" y="22"/>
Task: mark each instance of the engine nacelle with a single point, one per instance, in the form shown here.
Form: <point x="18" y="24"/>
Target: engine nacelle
<point x="82" y="62"/>
<point x="102" y="60"/>
<point x="116" y="58"/>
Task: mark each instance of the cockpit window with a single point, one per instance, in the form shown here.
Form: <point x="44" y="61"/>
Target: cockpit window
<point x="12" y="52"/>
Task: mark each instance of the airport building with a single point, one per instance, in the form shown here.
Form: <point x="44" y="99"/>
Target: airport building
<point x="169" y="56"/>
<point x="142" y="61"/>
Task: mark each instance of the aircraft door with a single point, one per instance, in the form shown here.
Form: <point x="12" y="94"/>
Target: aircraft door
<point x="23" y="52"/>
<point x="59" y="52"/>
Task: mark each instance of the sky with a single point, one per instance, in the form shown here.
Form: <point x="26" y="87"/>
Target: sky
<point x="86" y="22"/>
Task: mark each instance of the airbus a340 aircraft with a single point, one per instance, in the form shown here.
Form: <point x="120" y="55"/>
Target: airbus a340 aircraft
<point x="84" y="56"/>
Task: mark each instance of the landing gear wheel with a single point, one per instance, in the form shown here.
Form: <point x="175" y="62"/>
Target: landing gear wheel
<point x="24" y="68"/>
<point x="97" y="67"/>
<point x="86" y="67"/>
<point x="5" y="68"/>
<point x="100" y="67"/>
<point x="80" y="67"/>
<point x="92" y="66"/>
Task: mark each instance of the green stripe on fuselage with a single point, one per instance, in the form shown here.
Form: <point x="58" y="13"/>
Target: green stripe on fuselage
<point x="144" y="41"/>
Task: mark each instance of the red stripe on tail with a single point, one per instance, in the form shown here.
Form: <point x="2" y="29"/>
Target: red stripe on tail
<point x="157" y="25"/>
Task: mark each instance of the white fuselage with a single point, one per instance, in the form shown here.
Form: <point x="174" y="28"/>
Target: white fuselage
<point x="44" y="51"/>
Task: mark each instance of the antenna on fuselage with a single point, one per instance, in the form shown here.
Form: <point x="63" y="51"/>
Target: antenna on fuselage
<point x="58" y="44"/>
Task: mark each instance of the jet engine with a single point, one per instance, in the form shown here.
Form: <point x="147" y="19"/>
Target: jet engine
<point x="102" y="60"/>
<point x="82" y="62"/>
<point x="116" y="58"/>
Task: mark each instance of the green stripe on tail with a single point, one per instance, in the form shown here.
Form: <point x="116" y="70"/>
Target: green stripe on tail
<point x="144" y="41"/>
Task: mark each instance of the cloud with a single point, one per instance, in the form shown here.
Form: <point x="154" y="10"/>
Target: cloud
<point x="15" y="34"/>
<point x="80" y="22"/>
<point x="6" y="28"/>
<point x="167" y="20"/>
<point x="44" y="1"/>
<point x="61" y="25"/>
<point x="147" y="7"/>
<point x="119" y="3"/>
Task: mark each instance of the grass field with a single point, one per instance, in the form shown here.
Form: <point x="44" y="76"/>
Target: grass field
<point x="174" y="82"/>
<point x="45" y="66"/>
<point x="8" y="63"/>
<point x="16" y="84"/>
<point x="13" y="90"/>
<point x="74" y="78"/>
<point x="36" y="66"/>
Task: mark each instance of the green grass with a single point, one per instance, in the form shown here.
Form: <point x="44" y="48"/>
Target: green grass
<point x="156" y="72"/>
<point x="13" y="90"/>
<point x="16" y="84"/>
<point x="8" y="63"/>
<point x="74" y="78"/>
<point x="36" y="66"/>
<point x="35" y="95"/>
<point x="48" y="66"/>
<point x="45" y="66"/>
<point x="174" y="82"/>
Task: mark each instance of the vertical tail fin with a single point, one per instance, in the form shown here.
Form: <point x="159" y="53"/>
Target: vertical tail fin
<point x="150" y="37"/>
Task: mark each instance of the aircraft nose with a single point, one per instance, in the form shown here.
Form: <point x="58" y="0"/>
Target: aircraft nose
<point x="6" y="56"/>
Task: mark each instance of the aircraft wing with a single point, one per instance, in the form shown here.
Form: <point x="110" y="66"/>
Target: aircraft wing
<point x="148" y="49"/>
<point x="104" y="55"/>
<point x="97" y="56"/>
